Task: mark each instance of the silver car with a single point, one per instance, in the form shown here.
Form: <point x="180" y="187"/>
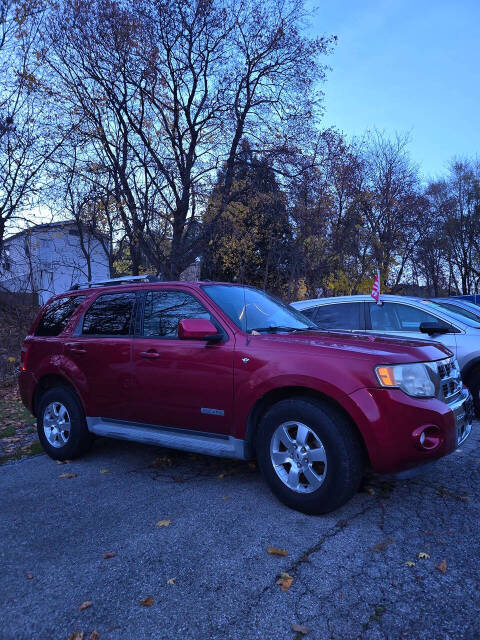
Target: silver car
<point x="404" y="316"/>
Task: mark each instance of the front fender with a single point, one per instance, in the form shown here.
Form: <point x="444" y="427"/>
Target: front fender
<point x="247" y="398"/>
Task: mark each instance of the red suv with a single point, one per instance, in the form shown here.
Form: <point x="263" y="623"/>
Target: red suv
<point x="231" y="371"/>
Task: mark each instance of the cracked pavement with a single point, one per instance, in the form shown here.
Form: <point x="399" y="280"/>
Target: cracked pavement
<point x="350" y="577"/>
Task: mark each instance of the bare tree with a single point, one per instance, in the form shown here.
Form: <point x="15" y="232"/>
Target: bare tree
<point x="163" y="92"/>
<point x="28" y="135"/>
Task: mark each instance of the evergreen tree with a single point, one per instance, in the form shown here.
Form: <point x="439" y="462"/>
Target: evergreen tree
<point x="249" y="240"/>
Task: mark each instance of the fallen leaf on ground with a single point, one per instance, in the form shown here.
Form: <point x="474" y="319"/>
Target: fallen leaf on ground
<point x="301" y="628"/>
<point x="370" y="490"/>
<point x="67" y="475"/>
<point x="147" y="602"/>
<point x="94" y="635"/>
<point x="423" y="555"/>
<point x="381" y="546"/>
<point x="61" y="462"/>
<point x="409" y="563"/>
<point x="225" y="498"/>
<point x="76" y="635"/>
<point x="442" y="566"/>
<point x="285" y="581"/>
<point x="85" y="605"/>
<point x="221" y="475"/>
<point x="171" y="581"/>
<point x="277" y="552"/>
<point x="164" y="523"/>
<point x="109" y="554"/>
<point x="104" y="470"/>
<point x="29" y="576"/>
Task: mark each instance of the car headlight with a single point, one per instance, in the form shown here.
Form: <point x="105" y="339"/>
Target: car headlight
<point x="418" y="379"/>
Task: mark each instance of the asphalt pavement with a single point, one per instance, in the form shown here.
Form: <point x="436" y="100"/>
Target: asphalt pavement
<point x="189" y="536"/>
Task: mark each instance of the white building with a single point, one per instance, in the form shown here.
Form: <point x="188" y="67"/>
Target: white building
<point x="49" y="258"/>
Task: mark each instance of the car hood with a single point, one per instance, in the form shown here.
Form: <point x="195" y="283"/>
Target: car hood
<point x="386" y="348"/>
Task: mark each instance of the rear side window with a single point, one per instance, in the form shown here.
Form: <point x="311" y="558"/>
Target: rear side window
<point x="110" y="315"/>
<point x="56" y="316"/>
<point x="165" y="309"/>
<point x="342" y="315"/>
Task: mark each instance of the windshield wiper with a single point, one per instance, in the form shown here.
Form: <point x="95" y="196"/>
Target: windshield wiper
<point x="278" y="328"/>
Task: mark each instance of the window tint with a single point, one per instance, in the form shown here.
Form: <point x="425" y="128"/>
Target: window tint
<point x="393" y="316"/>
<point x="56" y="316"/>
<point x="342" y="315"/>
<point x="165" y="309"/>
<point x="110" y="315"/>
<point x="310" y="313"/>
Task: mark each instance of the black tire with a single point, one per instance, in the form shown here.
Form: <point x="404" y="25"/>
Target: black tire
<point x="473" y="384"/>
<point x="343" y="449"/>
<point x="79" y="439"/>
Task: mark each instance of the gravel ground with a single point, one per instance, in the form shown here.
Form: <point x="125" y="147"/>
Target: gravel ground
<point x="398" y="561"/>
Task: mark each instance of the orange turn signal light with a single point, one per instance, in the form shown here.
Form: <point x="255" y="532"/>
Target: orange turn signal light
<point x="386" y="377"/>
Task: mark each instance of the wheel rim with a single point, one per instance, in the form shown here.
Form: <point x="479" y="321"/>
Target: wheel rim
<point x="298" y="457"/>
<point x="56" y="424"/>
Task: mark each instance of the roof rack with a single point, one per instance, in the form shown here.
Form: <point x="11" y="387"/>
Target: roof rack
<point x="113" y="281"/>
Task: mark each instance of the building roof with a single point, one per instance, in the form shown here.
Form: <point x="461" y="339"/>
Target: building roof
<point x="45" y="227"/>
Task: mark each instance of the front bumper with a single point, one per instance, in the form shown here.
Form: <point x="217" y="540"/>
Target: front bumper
<point x="391" y="424"/>
<point x="463" y="412"/>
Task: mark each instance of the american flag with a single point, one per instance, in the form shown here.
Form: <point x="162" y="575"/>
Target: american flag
<point x="376" y="288"/>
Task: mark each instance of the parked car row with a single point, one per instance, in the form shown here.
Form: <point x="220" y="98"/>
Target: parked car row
<point x="455" y="326"/>
<point x="231" y="371"/>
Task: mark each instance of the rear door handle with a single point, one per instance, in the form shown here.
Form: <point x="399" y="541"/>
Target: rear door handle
<point x="149" y="354"/>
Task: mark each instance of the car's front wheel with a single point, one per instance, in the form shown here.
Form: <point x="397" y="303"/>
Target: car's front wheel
<point x="61" y="424"/>
<point x="309" y="455"/>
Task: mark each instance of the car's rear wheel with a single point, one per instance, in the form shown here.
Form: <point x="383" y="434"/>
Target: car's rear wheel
<point x="309" y="454"/>
<point x="61" y="424"/>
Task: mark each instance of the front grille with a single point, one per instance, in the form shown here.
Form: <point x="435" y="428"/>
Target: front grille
<point x="450" y="379"/>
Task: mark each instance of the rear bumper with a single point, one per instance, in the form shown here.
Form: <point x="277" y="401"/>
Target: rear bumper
<point x="26" y="385"/>
<point x="392" y="424"/>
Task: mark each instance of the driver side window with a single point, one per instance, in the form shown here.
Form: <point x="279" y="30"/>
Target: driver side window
<point x="394" y="316"/>
<point x="164" y="310"/>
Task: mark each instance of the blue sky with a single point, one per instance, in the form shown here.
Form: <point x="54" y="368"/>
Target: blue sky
<point x="404" y="65"/>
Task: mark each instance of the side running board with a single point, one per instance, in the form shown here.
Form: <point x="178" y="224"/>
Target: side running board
<point x="210" y="444"/>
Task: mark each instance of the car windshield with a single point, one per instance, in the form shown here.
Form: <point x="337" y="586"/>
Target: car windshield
<point x="462" y="311"/>
<point x="254" y="310"/>
<point x="454" y="315"/>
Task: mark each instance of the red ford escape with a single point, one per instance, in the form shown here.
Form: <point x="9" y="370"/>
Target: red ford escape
<point x="231" y="371"/>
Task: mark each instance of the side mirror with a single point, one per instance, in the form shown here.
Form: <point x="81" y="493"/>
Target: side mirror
<point x="198" y="329"/>
<point x="433" y="328"/>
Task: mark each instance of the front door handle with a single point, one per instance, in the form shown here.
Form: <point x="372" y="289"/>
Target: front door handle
<point x="150" y="354"/>
<point x="75" y="348"/>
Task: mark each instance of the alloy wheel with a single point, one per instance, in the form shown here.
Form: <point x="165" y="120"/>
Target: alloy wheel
<point x="56" y="424"/>
<point x="298" y="457"/>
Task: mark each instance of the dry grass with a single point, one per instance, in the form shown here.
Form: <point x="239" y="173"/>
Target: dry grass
<point x="15" y="321"/>
<point x="18" y="435"/>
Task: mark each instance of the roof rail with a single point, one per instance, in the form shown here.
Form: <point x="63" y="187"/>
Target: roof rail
<point x="112" y="281"/>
